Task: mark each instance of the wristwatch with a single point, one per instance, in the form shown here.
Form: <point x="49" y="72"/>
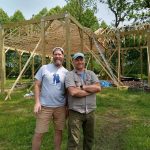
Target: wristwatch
<point x="81" y="87"/>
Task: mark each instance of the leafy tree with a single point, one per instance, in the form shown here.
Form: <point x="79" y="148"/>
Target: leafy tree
<point x="140" y="11"/>
<point x="18" y="16"/>
<point x="3" y="17"/>
<point x="42" y="13"/>
<point x="77" y="7"/>
<point x="120" y="8"/>
<point x="103" y="25"/>
<point x="89" y="20"/>
<point x="55" y="10"/>
<point x="83" y="11"/>
<point x="125" y="10"/>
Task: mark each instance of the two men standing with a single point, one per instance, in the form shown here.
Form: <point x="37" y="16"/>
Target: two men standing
<point x="82" y="86"/>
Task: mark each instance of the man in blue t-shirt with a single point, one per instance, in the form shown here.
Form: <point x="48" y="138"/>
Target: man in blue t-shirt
<point x="50" y="99"/>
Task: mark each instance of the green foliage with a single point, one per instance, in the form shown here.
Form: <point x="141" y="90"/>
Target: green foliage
<point x="89" y="20"/>
<point x="42" y="13"/>
<point x="103" y="25"/>
<point x="3" y="17"/>
<point x="136" y="11"/>
<point x="12" y="65"/>
<point x="83" y="11"/>
<point x="140" y="11"/>
<point x="120" y="9"/>
<point x="18" y="16"/>
<point x="55" y="10"/>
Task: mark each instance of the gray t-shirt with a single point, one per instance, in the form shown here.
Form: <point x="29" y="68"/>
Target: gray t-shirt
<point x="52" y="85"/>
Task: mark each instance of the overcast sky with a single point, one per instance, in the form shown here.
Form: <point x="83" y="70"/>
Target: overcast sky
<point x="30" y="7"/>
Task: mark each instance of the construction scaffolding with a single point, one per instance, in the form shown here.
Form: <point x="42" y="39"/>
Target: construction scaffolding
<point x="39" y="37"/>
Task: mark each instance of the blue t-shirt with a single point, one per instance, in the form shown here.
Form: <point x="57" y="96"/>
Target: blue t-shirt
<point x="52" y="85"/>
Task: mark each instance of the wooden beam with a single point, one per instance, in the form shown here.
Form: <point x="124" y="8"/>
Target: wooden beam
<point x="55" y="17"/>
<point x="20" y="63"/>
<point x="81" y="39"/>
<point x="33" y="69"/>
<point x="91" y="60"/>
<point x="21" y="50"/>
<point x="148" y="55"/>
<point x="118" y="47"/>
<point x="43" y="41"/>
<point x="2" y="61"/>
<point x="141" y="61"/>
<point x="34" y="21"/>
<point x="21" y="23"/>
<point x="75" y="21"/>
<point x="68" y="43"/>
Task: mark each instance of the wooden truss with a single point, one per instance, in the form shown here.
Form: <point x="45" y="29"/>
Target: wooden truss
<point x="119" y="41"/>
<point x="39" y="37"/>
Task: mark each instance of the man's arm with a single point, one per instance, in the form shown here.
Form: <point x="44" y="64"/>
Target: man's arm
<point x="77" y="92"/>
<point x="37" y="89"/>
<point x="94" y="88"/>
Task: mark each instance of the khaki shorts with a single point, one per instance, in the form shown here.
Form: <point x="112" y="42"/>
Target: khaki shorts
<point x="58" y="115"/>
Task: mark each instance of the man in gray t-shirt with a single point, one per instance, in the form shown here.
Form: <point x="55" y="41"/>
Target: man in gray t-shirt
<point x="82" y="86"/>
<point x="50" y="99"/>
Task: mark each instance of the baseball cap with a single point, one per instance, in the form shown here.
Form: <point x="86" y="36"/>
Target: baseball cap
<point x="58" y="48"/>
<point x="76" y="55"/>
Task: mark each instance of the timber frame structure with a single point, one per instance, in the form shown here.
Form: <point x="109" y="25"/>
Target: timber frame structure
<point x="118" y="42"/>
<point x="39" y="37"/>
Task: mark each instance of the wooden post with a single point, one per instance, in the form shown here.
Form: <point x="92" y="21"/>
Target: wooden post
<point x="118" y="45"/>
<point x="2" y="61"/>
<point x="33" y="67"/>
<point x="20" y="63"/>
<point x="122" y="61"/>
<point x="43" y="41"/>
<point x="148" y="55"/>
<point x="141" y="62"/>
<point x="68" y="42"/>
<point x="91" y="60"/>
<point x="81" y="39"/>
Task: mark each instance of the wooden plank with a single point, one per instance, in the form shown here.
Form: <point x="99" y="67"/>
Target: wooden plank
<point x="33" y="21"/>
<point x="141" y="61"/>
<point x="54" y="17"/>
<point x="21" y="50"/>
<point x="2" y="61"/>
<point x="20" y="23"/>
<point x="81" y="39"/>
<point x="74" y="21"/>
<point x="148" y="55"/>
<point x="92" y="59"/>
<point x="68" y="43"/>
<point x="20" y="63"/>
<point x="33" y="69"/>
<point x="43" y="41"/>
<point x="118" y="47"/>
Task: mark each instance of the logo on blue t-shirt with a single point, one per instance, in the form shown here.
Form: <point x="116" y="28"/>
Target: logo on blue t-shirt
<point x="56" y="78"/>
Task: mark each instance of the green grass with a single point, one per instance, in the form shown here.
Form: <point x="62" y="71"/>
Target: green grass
<point x="122" y="122"/>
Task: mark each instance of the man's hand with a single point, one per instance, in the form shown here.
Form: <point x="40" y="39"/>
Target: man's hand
<point x="37" y="108"/>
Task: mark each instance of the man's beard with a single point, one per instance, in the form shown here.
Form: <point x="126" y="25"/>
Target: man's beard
<point x="58" y="62"/>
